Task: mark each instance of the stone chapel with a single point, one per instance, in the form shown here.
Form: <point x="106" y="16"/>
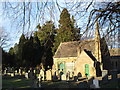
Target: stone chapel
<point x="87" y="57"/>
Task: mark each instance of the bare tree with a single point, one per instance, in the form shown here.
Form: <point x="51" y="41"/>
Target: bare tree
<point x="25" y="14"/>
<point x="4" y="38"/>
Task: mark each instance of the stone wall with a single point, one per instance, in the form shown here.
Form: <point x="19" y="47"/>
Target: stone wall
<point x="80" y="65"/>
<point x="66" y="60"/>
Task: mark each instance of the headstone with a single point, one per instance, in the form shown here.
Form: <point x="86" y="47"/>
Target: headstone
<point x="54" y="77"/>
<point x="114" y="74"/>
<point x="15" y="71"/>
<point x="34" y="71"/>
<point x="75" y="78"/>
<point x="48" y="75"/>
<point x="96" y="83"/>
<point x="20" y="71"/>
<point x="105" y="75"/>
<point x="68" y="75"/>
<point x="12" y="74"/>
<point x="53" y="69"/>
<point x="8" y="69"/>
<point x="28" y="71"/>
<point x="39" y="78"/>
<point x="23" y="72"/>
<point x="42" y="74"/>
<point x="5" y="71"/>
<point x="63" y="77"/>
<point x="26" y="75"/>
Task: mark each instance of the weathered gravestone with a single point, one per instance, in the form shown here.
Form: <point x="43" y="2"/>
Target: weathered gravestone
<point x="105" y="75"/>
<point x="48" y="75"/>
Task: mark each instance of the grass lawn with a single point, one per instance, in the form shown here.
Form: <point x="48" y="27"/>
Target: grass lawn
<point x="8" y="82"/>
<point x="111" y="84"/>
<point x="15" y="83"/>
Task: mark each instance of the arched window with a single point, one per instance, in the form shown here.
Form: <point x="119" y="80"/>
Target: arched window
<point x="87" y="70"/>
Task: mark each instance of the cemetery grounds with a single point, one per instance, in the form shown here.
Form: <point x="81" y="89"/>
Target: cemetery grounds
<point x="19" y="81"/>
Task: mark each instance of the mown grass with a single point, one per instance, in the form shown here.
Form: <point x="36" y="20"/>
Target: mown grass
<point x="9" y="82"/>
<point x="111" y="84"/>
<point x="16" y="83"/>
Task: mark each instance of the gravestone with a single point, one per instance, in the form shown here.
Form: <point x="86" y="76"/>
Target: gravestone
<point x="105" y="75"/>
<point x="68" y="75"/>
<point x="63" y="77"/>
<point x="15" y="71"/>
<point x="9" y="69"/>
<point x="42" y="74"/>
<point x="12" y="74"/>
<point x="28" y="71"/>
<point x="53" y="69"/>
<point x="48" y="75"/>
<point x="23" y="72"/>
<point x="96" y="83"/>
<point x="26" y="75"/>
<point x="75" y="78"/>
<point x="34" y="71"/>
<point x="114" y="74"/>
<point x="54" y="77"/>
<point x="19" y="71"/>
<point x="5" y="71"/>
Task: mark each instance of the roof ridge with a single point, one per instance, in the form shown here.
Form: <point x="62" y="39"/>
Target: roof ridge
<point x="76" y="41"/>
<point x="70" y="42"/>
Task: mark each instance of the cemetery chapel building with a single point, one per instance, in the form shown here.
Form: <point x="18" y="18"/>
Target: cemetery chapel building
<point x="87" y="57"/>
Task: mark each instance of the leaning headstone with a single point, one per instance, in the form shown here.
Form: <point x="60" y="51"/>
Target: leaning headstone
<point x="105" y="75"/>
<point x="48" y="75"/>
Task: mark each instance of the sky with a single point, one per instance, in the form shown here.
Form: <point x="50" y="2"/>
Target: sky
<point x="10" y="27"/>
<point x="14" y="34"/>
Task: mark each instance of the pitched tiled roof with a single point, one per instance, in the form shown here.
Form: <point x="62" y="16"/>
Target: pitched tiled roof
<point x="67" y="49"/>
<point x="115" y="52"/>
<point x="70" y="49"/>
